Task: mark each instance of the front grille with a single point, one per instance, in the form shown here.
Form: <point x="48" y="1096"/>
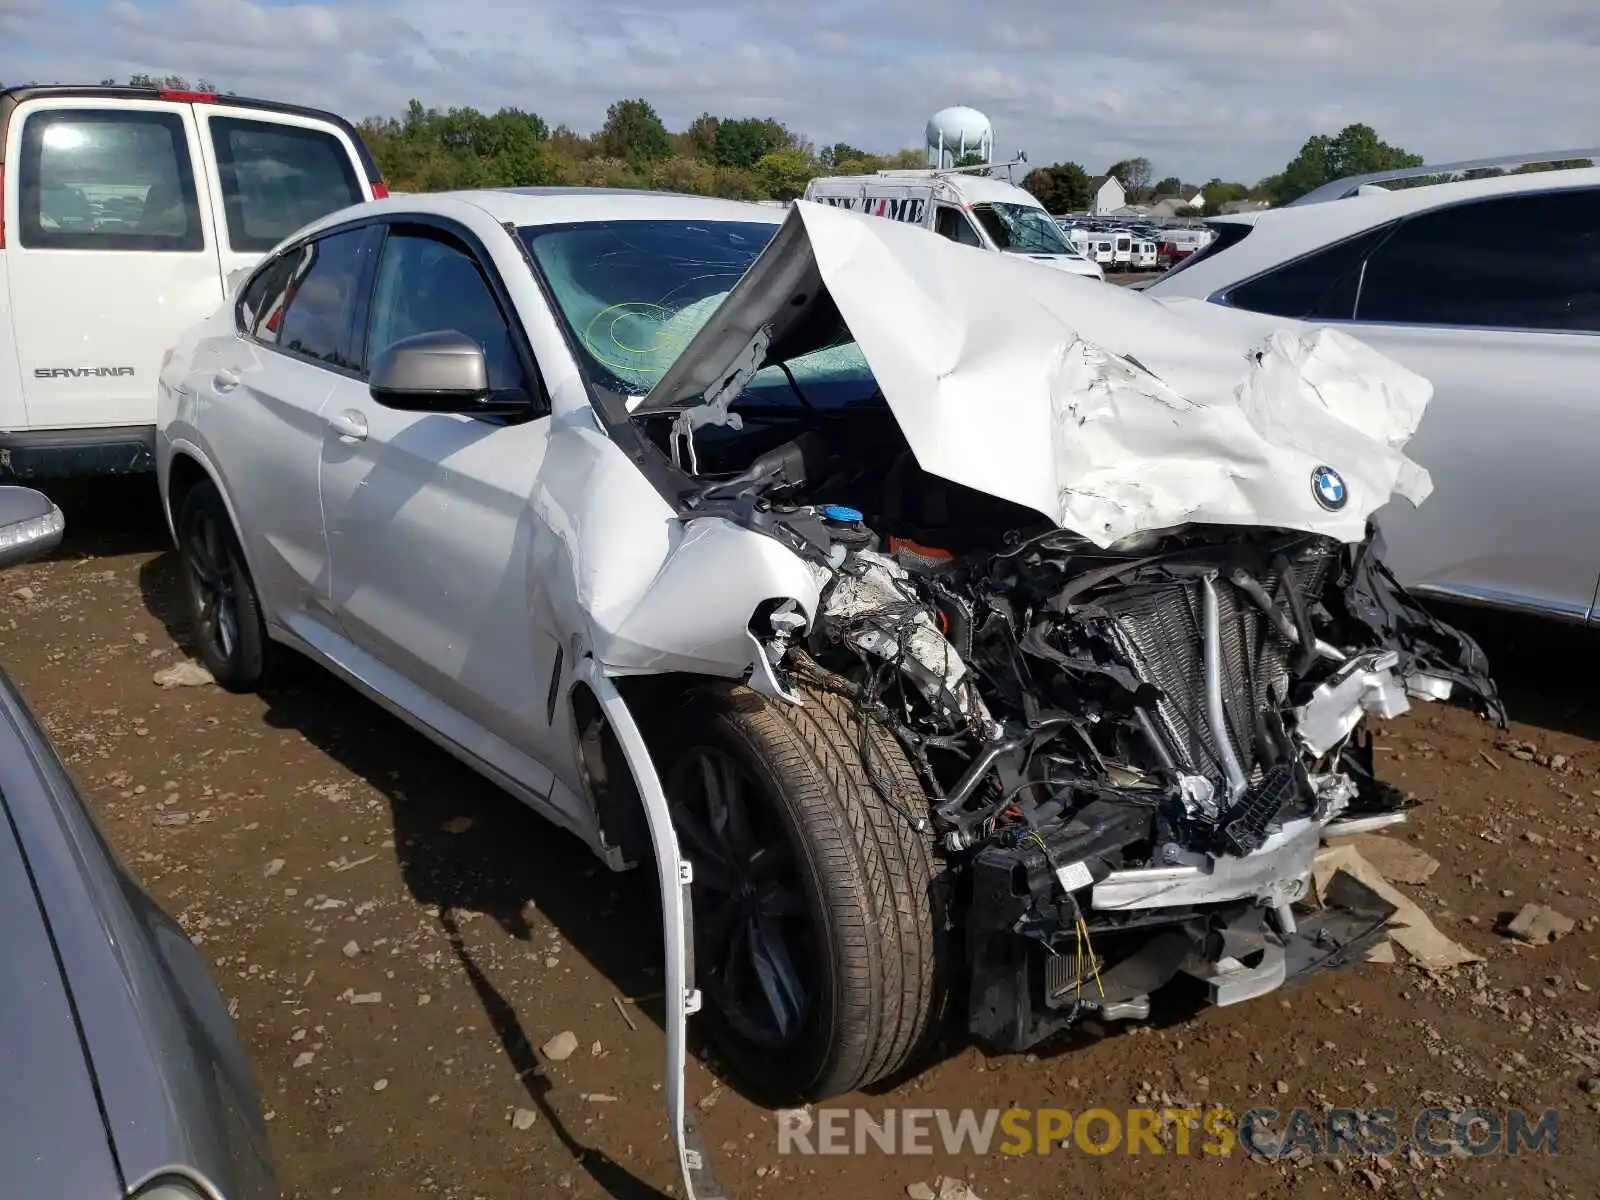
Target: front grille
<point x="1159" y="629"/>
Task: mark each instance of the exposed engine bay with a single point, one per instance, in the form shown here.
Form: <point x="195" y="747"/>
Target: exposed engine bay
<point x="1129" y="754"/>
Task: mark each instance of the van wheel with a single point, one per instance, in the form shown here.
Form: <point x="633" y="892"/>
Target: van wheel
<point x="229" y="634"/>
<point x="815" y="907"/>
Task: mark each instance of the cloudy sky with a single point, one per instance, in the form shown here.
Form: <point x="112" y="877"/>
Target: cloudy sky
<point x="1203" y="87"/>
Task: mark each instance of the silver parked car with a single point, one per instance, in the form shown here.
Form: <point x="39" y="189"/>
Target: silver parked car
<point x="1488" y="285"/>
<point x="120" y="1070"/>
<point x="956" y="635"/>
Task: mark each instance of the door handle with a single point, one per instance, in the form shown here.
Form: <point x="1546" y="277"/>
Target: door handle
<point x="224" y="381"/>
<point x="350" y="425"/>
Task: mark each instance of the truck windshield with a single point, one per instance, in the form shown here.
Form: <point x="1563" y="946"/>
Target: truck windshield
<point x="1022" y="229"/>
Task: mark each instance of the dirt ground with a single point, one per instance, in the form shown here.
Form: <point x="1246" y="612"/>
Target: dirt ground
<point x="398" y="940"/>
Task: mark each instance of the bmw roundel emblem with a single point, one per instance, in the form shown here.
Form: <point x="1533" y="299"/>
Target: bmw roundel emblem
<point x="1327" y="485"/>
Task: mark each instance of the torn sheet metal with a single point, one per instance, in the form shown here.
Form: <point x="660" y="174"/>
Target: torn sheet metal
<point x="674" y="873"/>
<point x="1105" y="410"/>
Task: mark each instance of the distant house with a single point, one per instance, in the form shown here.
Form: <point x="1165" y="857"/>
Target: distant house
<point x="1106" y="195"/>
<point x="1169" y="204"/>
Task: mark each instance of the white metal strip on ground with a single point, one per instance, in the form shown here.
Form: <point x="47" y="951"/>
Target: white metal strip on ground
<point x="674" y="874"/>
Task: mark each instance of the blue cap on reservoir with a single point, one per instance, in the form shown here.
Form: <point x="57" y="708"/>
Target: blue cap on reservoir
<point x="840" y="514"/>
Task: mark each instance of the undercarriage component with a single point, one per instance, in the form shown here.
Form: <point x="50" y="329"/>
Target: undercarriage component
<point x="1278" y="871"/>
<point x="1361" y="687"/>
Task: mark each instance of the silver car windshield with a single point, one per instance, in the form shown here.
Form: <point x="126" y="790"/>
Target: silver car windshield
<point x="633" y="293"/>
<point x="1022" y="229"/>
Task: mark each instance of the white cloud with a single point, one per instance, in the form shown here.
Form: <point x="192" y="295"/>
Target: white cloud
<point x="1230" y="88"/>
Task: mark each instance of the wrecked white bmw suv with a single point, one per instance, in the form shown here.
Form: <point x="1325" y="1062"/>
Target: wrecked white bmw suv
<point x="958" y="636"/>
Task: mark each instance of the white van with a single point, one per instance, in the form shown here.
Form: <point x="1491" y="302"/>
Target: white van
<point x="123" y="213"/>
<point x="1121" y="250"/>
<point x="1145" y="255"/>
<point x="975" y="210"/>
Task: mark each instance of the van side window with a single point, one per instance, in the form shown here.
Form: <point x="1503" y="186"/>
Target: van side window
<point x="95" y="179"/>
<point x="951" y="223"/>
<point x="276" y="178"/>
<point x="1511" y="262"/>
<point x="312" y="314"/>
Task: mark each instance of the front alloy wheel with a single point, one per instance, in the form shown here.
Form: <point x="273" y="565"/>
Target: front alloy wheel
<point x="818" y="939"/>
<point x="230" y="637"/>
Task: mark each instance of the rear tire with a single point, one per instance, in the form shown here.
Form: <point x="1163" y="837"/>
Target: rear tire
<point x="818" y="908"/>
<point x="230" y="637"/>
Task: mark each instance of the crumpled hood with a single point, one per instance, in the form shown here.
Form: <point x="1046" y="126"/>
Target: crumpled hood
<point x="1108" y="411"/>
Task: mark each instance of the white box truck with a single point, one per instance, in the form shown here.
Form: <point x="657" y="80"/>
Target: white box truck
<point x="975" y="210"/>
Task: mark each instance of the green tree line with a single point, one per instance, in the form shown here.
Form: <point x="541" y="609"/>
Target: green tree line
<point x="743" y="158"/>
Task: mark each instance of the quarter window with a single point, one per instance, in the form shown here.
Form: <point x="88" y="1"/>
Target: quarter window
<point x="429" y="283"/>
<point x="1512" y="262"/>
<point x="312" y="313"/>
<point x="104" y="180"/>
<point x="277" y="178"/>
<point x="1321" y="284"/>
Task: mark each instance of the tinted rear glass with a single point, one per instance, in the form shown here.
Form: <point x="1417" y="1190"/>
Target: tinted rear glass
<point x="1318" y="285"/>
<point x="1511" y="262"/>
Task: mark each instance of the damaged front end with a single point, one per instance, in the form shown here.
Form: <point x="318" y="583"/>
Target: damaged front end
<point x="1134" y="751"/>
<point x="1083" y="556"/>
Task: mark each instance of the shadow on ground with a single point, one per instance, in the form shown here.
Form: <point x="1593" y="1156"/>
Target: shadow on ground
<point x="1547" y="670"/>
<point x="108" y="517"/>
<point x="509" y="861"/>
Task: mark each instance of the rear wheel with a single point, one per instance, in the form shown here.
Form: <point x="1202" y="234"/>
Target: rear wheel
<point x="230" y="637"/>
<point x="815" y="902"/>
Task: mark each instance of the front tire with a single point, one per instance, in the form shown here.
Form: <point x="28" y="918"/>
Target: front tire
<point x="230" y="637"/>
<point x="816" y="902"/>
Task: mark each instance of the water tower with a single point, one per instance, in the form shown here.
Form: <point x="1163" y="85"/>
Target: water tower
<point x="958" y="131"/>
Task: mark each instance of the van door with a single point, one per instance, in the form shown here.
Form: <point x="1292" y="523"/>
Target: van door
<point x="273" y="173"/>
<point x="110" y="253"/>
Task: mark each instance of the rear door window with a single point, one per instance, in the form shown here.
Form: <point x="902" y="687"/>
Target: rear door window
<point x="94" y="179"/>
<point x="314" y="313"/>
<point x="276" y="178"/>
<point x="1510" y="262"/>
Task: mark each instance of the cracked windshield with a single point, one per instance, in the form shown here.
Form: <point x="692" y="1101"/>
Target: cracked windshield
<point x="633" y="294"/>
<point x="1022" y="229"/>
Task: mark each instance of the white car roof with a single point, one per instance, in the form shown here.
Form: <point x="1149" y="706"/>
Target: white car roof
<point x="1281" y="234"/>
<point x="557" y="205"/>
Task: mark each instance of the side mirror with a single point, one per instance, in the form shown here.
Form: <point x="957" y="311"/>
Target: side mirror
<point x="30" y="525"/>
<point x="440" y="371"/>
